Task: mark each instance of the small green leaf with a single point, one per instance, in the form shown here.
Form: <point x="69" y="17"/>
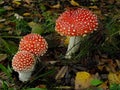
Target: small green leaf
<point x="5" y="70"/>
<point x="4" y="85"/>
<point x="11" y="89"/>
<point x="36" y="28"/>
<point x="96" y="82"/>
<point x="13" y="47"/>
<point x="114" y="86"/>
<point x="5" y="44"/>
<point x="2" y="11"/>
<point x="42" y="7"/>
<point x="10" y="46"/>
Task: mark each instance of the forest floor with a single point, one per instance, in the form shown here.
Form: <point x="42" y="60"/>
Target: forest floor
<point x="96" y="64"/>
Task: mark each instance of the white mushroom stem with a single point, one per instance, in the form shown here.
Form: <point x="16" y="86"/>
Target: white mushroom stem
<point x="73" y="46"/>
<point x="25" y="75"/>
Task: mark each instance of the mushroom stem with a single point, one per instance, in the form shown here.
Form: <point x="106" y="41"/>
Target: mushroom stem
<point x="24" y="76"/>
<point x="73" y="46"/>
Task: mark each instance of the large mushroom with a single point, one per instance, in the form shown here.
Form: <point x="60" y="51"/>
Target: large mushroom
<point x="23" y="62"/>
<point x="33" y="43"/>
<point x="76" y="23"/>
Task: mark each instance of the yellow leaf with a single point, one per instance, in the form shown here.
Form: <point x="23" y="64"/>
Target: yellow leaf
<point x="66" y="42"/>
<point x="114" y="77"/>
<point x="74" y="3"/>
<point x="100" y="67"/>
<point x="26" y="14"/>
<point x="17" y="2"/>
<point x="82" y="80"/>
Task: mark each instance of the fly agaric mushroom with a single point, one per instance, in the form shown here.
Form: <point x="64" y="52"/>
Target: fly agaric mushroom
<point x="33" y="43"/>
<point x="23" y="62"/>
<point x="75" y="23"/>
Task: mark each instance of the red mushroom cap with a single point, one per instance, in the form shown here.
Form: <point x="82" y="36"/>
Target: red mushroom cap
<point x="76" y="22"/>
<point x="34" y="43"/>
<point x="23" y="61"/>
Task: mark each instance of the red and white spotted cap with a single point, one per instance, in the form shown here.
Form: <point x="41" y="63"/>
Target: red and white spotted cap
<point x="76" y="22"/>
<point x="23" y="61"/>
<point x="33" y="43"/>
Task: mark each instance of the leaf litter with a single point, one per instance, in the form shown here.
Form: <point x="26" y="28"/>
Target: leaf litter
<point x="55" y="72"/>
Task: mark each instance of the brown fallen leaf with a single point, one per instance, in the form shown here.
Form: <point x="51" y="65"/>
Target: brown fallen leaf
<point x="100" y="67"/>
<point x="118" y="63"/>
<point x="8" y="8"/>
<point x="56" y="6"/>
<point x="1" y="25"/>
<point x="2" y="20"/>
<point x="2" y="2"/>
<point x="28" y="1"/>
<point x="41" y="86"/>
<point x="104" y="85"/>
<point x="64" y="88"/>
<point x="61" y="73"/>
<point x="97" y="11"/>
<point x="3" y="57"/>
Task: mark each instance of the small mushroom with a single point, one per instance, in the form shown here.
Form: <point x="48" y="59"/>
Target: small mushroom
<point x="33" y="43"/>
<point x="75" y="23"/>
<point x="23" y="62"/>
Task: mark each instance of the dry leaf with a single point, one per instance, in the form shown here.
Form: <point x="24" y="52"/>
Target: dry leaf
<point x="53" y="62"/>
<point x="28" y="1"/>
<point x="61" y="73"/>
<point x="56" y="6"/>
<point x="118" y="63"/>
<point x="8" y="8"/>
<point x="114" y="77"/>
<point x="82" y="80"/>
<point x="104" y="85"/>
<point x="1" y="25"/>
<point x="17" y="2"/>
<point x="41" y="86"/>
<point x="100" y="67"/>
<point x="26" y="14"/>
<point x="97" y="11"/>
<point x="74" y="3"/>
<point x="3" y="57"/>
<point x="63" y="88"/>
<point x="2" y="20"/>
